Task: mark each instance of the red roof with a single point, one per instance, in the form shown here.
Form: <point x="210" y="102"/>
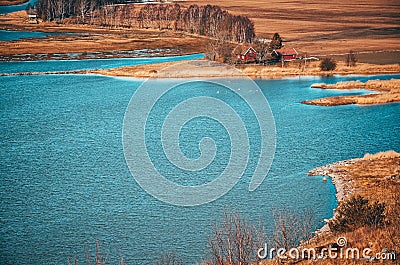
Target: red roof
<point x="287" y="51"/>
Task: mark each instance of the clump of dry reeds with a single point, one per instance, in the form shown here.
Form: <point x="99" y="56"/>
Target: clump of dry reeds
<point x="380" y="155"/>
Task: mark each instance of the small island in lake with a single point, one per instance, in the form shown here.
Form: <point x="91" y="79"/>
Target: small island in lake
<point x="387" y="91"/>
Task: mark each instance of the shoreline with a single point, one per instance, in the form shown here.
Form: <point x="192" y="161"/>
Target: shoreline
<point x="145" y="71"/>
<point x="13" y="2"/>
<point x="353" y="177"/>
<point x="77" y="56"/>
<point x="344" y="188"/>
<point x="342" y="191"/>
<point x="255" y="71"/>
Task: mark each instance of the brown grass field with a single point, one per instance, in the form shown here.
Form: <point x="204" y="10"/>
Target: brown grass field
<point x="323" y="27"/>
<point x="371" y="28"/>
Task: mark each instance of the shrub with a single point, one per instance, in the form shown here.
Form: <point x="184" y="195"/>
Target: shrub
<point x="328" y="64"/>
<point x="357" y="212"/>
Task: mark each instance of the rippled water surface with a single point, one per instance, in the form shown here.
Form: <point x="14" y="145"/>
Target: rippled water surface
<point x="89" y="64"/>
<point x="8" y="35"/>
<point x="64" y="180"/>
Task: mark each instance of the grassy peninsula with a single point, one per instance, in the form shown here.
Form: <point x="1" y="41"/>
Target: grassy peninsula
<point x="387" y="91"/>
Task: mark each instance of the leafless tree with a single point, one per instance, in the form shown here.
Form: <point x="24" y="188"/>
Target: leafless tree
<point x="126" y="14"/>
<point x="290" y="228"/>
<point x="92" y="10"/>
<point x="209" y="20"/>
<point x="82" y="7"/>
<point x="176" y="17"/>
<point x="169" y="258"/>
<point x="58" y="7"/>
<point x="235" y="241"/>
<point x="262" y="52"/>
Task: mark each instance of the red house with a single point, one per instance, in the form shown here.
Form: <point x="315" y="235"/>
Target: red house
<point x="286" y="54"/>
<point x="249" y="54"/>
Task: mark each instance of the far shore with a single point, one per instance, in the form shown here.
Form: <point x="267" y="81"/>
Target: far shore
<point x="12" y="2"/>
<point x="145" y="71"/>
<point x="258" y="71"/>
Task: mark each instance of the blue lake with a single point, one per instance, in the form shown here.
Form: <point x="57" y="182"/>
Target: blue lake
<point x="65" y="182"/>
<point x="70" y="65"/>
<point x="9" y="35"/>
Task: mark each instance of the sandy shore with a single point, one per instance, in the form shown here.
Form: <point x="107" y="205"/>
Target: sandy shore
<point x="388" y="92"/>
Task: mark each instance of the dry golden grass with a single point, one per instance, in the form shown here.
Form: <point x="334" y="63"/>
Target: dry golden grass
<point x="259" y="71"/>
<point x="376" y="85"/>
<point x="376" y="239"/>
<point x="372" y="99"/>
<point x="389" y="92"/>
<point x="139" y="71"/>
<point x="381" y="155"/>
<point x="312" y="68"/>
<point x="375" y="176"/>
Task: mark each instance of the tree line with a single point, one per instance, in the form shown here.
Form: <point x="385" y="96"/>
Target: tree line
<point x="209" y="20"/>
